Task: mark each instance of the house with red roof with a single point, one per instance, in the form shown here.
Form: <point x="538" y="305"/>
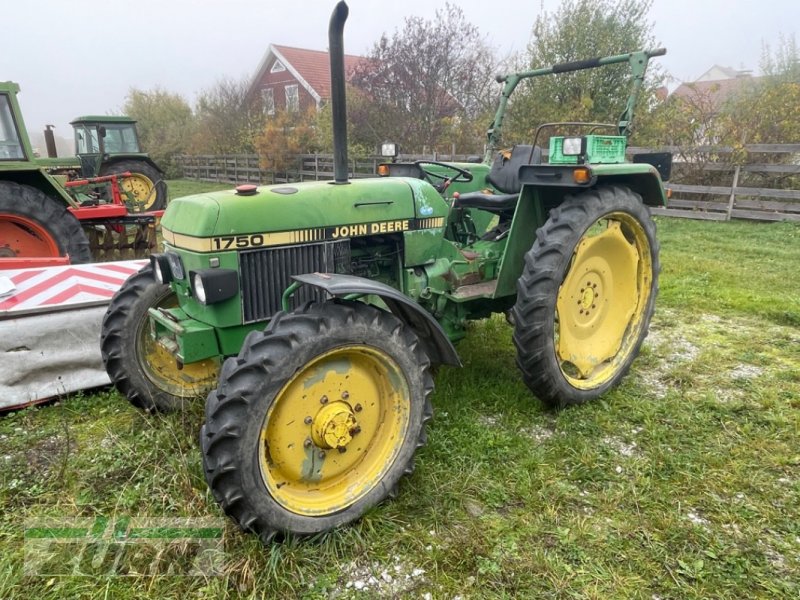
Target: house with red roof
<point x="295" y="79"/>
<point x="714" y="87"/>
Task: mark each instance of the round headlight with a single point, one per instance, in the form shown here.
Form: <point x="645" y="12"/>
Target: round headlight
<point x="199" y="290"/>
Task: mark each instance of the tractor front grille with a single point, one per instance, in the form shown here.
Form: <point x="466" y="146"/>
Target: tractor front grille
<point x="266" y="273"/>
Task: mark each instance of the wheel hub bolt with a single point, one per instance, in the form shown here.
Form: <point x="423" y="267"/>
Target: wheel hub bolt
<point x="308" y="420"/>
<point x="357" y="408"/>
<point x="308" y="443"/>
<point x="323" y="400"/>
<point x="345" y="395"/>
<point x="321" y="454"/>
<point x="342" y="450"/>
<point x="355" y="430"/>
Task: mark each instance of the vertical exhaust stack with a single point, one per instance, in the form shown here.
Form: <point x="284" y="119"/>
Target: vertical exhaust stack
<point x="50" y="141"/>
<point x="338" y="96"/>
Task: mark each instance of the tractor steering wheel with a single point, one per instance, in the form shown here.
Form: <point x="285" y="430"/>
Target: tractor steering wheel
<point x="461" y="175"/>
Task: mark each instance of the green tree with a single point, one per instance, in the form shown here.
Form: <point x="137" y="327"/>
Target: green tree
<point x="415" y="83"/>
<point x="226" y="121"/>
<point x="764" y="110"/>
<point x="284" y="136"/>
<point x="165" y="123"/>
<point x="581" y="29"/>
<point x="768" y="110"/>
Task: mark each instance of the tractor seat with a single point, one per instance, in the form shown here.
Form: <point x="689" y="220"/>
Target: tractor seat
<point x="504" y="176"/>
<point x="495" y="203"/>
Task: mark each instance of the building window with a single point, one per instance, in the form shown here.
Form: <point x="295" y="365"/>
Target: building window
<point x="268" y="100"/>
<point x="277" y="67"/>
<point x="292" y="98"/>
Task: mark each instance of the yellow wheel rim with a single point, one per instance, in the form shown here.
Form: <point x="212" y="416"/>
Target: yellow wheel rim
<point x="602" y="300"/>
<point x="334" y="430"/>
<point x="161" y="368"/>
<point x="141" y="188"/>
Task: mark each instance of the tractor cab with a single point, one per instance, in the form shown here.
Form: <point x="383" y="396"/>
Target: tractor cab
<point x="98" y="138"/>
<point x="10" y="144"/>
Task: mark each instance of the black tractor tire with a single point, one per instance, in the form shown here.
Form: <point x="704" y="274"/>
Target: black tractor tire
<point x="243" y="424"/>
<point x="144" y="176"/>
<point x="136" y="364"/>
<point x="557" y="272"/>
<point x="40" y="217"/>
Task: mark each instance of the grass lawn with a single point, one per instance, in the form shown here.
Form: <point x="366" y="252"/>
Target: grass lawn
<point x="682" y="483"/>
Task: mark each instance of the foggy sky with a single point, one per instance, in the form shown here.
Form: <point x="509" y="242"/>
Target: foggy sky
<point x="74" y="57"/>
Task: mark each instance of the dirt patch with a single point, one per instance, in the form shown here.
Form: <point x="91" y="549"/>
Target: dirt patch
<point x="628" y="450"/>
<point x="746" y="372"/>
<point x="488" y="420"/>
<point x="696" y="519"/>
<point x="47" y="455"/>
<point x="697" y="353"/>
<point x="537" y="433"/>
<point x="396" y="578"/>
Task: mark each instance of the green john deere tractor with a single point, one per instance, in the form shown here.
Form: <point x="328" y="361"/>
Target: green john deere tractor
<point x="315" y="312"/>
<point x="109" y="145"/>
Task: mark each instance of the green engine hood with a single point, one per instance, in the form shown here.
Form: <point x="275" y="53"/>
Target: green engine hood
<point x="279" y="208"/>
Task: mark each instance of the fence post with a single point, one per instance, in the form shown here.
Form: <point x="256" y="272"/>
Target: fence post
<point x="733" y="192"/>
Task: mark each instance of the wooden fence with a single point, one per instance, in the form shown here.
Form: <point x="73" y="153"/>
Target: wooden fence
<point x="727" y="190"/>
<point x="244" y="168"/>
<point x="775" y="164"/>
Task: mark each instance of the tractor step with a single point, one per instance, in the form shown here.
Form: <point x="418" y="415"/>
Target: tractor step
<point x="485" y="289"/>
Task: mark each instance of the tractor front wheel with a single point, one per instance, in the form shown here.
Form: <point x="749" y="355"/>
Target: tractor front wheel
<point x="317" y="419"/>
<point x="141" y="368"/>
<point x="586" y="295"/>
<point x="145" y="184"/>
<point x="32" y="224"/>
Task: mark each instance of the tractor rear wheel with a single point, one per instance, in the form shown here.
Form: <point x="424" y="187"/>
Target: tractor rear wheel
<point x="586" y="295"/>
<point x="143" y="370"/>
<point x="145" y="184"/>
<point x="317" y="419"/>
<point x="32" y="224"/>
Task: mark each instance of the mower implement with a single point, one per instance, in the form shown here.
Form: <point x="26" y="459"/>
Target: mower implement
<point x="310" y="316"/>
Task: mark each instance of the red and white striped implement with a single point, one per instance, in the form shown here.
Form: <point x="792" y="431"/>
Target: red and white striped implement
<point x="61" y="288"/>
<point x="50" y="329"/>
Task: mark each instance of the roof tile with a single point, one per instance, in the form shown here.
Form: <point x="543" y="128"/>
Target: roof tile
<point x="314" y="66"/>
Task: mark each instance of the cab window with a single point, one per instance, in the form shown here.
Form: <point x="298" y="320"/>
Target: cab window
<point x="86" y="140"/>
<point x="10" y="147"/>
<point x="120" y="139"/>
